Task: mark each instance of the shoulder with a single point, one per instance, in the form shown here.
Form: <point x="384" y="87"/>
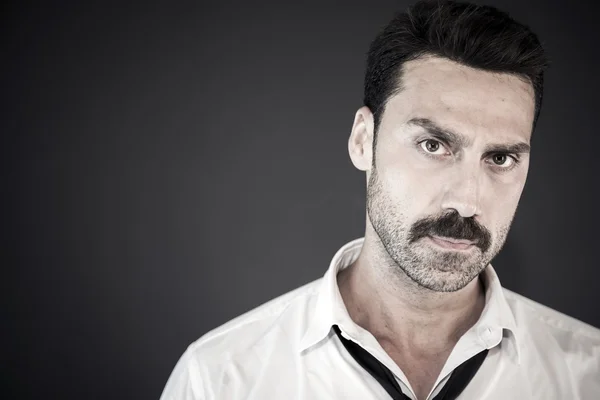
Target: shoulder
<point x="239" y="345"/>
<point x="250" y="328"/>
<point x="533" y="315"/>
<point x="553" y="344"/>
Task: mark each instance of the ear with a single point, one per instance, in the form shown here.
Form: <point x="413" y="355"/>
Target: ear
<point x="360" y="143"/>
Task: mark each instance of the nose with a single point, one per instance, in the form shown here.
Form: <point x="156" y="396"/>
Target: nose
<point x="462" y="192"/>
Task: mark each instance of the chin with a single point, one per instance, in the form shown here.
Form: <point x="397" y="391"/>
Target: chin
<point x="444" y="271"/>
<point x="445" y="282"/>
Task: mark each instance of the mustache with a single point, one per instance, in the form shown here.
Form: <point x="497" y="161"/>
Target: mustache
<point x="452" y="225"/>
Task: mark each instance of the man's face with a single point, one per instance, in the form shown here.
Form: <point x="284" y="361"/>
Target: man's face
<point x="448" y="169"/>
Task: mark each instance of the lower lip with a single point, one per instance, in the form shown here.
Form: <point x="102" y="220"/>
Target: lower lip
<point x="450" y="245"/>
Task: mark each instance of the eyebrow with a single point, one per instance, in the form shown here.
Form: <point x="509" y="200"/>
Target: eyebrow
<point x="458" y="140"/>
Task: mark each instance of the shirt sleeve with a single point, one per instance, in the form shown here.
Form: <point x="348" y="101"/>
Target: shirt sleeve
<point x="581" y="354"/>
<point x="185" y="382"/>
<point x="589" y="373"/>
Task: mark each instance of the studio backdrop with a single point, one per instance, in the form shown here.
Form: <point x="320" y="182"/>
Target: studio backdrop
<point x="170" y="166"/>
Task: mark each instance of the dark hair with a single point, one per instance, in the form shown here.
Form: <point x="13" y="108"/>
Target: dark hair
<point x="480" y="37"/>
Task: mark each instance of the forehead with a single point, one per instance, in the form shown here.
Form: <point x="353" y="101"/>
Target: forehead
<point x="469" y="100"/>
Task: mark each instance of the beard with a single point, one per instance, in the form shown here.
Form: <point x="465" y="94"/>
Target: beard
<point x="435" y="269"/>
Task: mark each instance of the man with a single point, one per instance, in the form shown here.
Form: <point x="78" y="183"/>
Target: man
<point x="414" y="310"/>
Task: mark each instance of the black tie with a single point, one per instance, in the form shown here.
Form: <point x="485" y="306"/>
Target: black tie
<point x="457" y="382"/>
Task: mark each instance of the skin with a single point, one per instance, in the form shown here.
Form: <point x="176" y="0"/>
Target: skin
<point x="419" y="297"/>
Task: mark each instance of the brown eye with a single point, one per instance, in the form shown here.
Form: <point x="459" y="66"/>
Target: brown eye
<point x="499" y="159"/>
<point x="502" y="161"/>
<point x="430" y="145"/>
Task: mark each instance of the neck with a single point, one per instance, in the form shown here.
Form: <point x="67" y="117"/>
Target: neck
<point x="401" y="314"/>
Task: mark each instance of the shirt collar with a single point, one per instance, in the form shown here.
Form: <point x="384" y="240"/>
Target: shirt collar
<point x="330" y="309"/>
<point x="497" y="314"/>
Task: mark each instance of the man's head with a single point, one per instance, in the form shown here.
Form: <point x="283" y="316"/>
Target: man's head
<point x="452" y="92"/>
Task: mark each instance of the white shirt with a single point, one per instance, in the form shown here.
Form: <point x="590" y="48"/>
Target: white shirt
<point x="286" y="349"/>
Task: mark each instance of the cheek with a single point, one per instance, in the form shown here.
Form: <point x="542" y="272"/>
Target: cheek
<point x="408" y="190"/>
<point x="507" y="189"/>
<point x="501" y="203"/>
<point x="409" y="174"/>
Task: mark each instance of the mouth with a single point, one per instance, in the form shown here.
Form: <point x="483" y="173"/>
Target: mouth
<point x="451" y="243"/>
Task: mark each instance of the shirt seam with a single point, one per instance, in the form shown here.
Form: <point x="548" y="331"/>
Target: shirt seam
<point x="274" y="310"/>
<point x="540" y="313"/>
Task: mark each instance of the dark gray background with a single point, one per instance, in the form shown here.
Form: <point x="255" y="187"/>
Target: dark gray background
<point x="166" y="168"/>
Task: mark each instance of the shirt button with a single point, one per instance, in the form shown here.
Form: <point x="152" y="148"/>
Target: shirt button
<point x="485" y="333"/>
<point x="489" y="337"/>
